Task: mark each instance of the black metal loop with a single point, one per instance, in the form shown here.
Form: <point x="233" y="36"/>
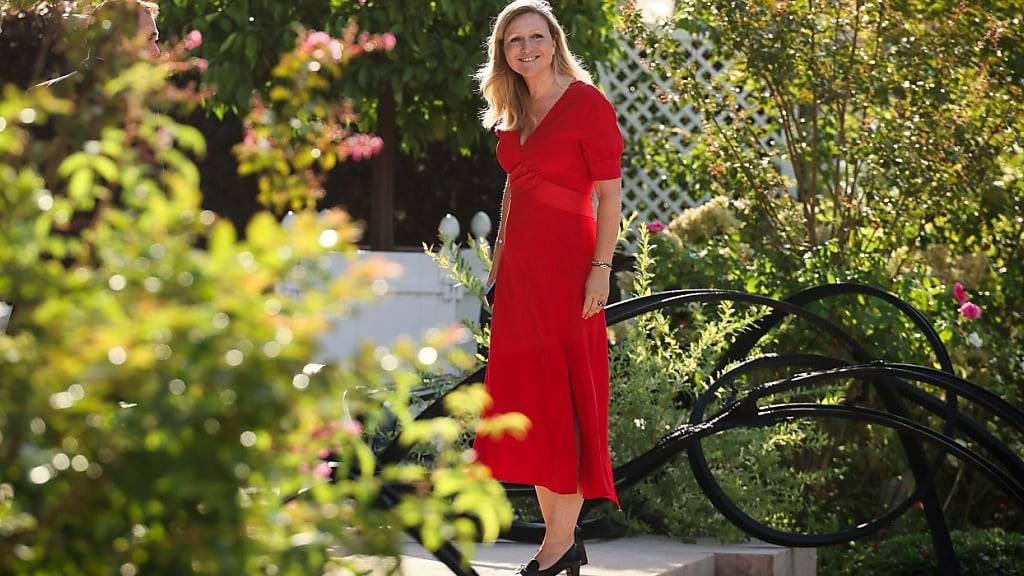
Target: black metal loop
<point x="894" y="382"/>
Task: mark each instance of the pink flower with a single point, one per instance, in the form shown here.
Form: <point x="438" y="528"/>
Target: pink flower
<point x="164" y="137"/>
<point x="193" y="40"/>
<point x="323" y="453"/>
<point x="314" y="40"/>
<point x="362" y="146"/>
<point x="655" y="227"/>
<point x="336" y="50"/>
<point x="200" y="64"/>
<point x="352" y="428"/>
<point x="959" y="294"/>
<point x="389" y="40"/>
<point x="970" y="311"/>
<point x="323" y="470"/>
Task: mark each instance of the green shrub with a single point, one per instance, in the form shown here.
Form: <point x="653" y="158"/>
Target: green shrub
<point x="902" y="130"/>
<point x="981" y="553"/>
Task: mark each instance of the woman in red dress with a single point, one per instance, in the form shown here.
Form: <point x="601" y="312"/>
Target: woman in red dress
<point x="559" y="143"/>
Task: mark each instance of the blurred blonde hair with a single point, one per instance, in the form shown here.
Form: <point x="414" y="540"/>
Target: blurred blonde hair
<point x="152" y="7"/>
<point x="505" y="90"/>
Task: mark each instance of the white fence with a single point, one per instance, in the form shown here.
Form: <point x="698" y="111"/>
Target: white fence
<point x="632" y="88"/>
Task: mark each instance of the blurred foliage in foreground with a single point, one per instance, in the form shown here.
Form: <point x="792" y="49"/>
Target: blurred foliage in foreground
<point x="157" y="401"/>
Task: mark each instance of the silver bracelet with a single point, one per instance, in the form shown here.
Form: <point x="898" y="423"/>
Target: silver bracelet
<point x="601" y="264"/>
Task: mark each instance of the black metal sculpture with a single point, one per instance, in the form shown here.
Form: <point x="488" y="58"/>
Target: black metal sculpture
<point x="893" y="382"/>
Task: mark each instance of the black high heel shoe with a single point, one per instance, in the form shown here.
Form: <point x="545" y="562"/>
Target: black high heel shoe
<point x="578" y="540"/>
<point x="570" y="562"/>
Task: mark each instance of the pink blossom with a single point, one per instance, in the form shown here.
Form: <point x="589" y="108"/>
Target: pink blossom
<point x="323" y="470"/>
<point x="656" y="227"/>
<point x="959" y="294"/>
<point x="352" y="428"/>
<point x="315" y="39"/>
<point x="164" y="137"/>
<point x="389" y="40"/>
<point x="970" y="311"/>
<point x="193" y="40"/>
<point x="320" y="431"/>
<point x="336" y="50"/>
<point x="250" y="137"/>
<point x="323" y="453"/>
<point x="200" y="64"/>
<point x="362" y="146"/>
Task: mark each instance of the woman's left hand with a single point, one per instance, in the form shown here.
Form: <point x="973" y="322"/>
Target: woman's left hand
<point x="595" y="292"/>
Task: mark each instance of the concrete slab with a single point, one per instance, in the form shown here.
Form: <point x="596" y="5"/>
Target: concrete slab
<point x="639" y="556"/>
<point x="761" y="559"/>
<point x="635" y="556"/>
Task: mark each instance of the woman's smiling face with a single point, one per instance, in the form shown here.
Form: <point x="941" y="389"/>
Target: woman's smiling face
<point x="528" y="45"/>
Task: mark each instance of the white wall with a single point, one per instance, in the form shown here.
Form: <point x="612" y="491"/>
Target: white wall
<point x="423" y="297"/>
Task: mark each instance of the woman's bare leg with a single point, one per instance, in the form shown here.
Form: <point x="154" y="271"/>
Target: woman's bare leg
<point x="560" y="512"/>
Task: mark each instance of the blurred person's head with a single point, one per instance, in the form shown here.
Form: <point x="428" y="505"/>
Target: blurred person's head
<point x="145" y="23"/>
<point x="114" y="32"/>
<point x="31" y="45"/>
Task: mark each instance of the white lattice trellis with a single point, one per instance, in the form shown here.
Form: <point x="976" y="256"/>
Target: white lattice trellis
<point x="631" y="88"/>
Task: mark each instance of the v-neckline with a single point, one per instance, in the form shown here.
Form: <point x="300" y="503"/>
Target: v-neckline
<point x="522" y="141"/>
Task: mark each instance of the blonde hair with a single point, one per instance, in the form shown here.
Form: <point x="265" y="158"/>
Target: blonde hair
<point x="505" y="90"/>
<point x="152" y="7"/>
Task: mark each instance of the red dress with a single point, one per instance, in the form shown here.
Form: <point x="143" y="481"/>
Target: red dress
<point x="545" y="360"/>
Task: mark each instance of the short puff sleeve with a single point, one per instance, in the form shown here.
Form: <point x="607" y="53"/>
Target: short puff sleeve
<point x="601" y="139"/>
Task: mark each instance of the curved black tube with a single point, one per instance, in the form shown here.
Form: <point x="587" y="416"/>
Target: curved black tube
<point x="893" y="381"/>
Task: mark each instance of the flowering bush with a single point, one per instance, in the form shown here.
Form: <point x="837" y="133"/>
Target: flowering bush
<point x="304" y="130"/>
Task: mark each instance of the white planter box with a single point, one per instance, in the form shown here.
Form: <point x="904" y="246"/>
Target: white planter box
<point x="423" y="297"/>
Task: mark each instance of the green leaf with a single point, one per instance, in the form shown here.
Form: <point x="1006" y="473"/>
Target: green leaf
<point x="73" y="163"/>
<point x="222" y="239"/>
<point x="105" y="167"/>
<point x="80" y="185"/>
<point x="191" y="138"/>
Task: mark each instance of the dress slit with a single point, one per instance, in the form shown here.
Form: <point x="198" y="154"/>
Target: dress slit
<point x="577" y="427"/>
